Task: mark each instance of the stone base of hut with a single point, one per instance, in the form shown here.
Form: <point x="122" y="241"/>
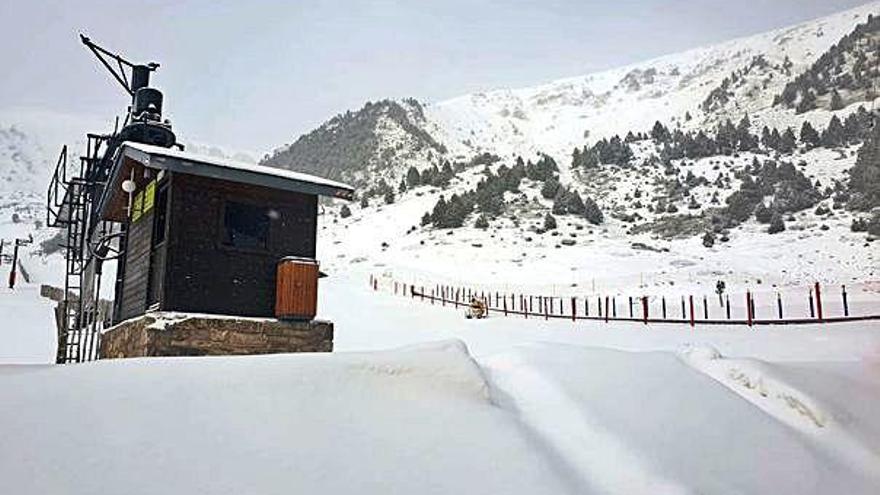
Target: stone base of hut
<point x="174" y="334"/>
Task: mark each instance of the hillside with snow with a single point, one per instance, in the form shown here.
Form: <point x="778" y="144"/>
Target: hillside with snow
<point x="700" y="170"/>
<point x="555" y="117"/>
<point x="24" y="167"/>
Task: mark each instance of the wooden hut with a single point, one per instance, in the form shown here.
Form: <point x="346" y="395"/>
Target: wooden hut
<point x="204" y="234"/>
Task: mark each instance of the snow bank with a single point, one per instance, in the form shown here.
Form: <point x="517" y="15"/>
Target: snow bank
<point x="27" y="325"/>
<point x="409" y="421"/>
<point x="648" y="423"/>
<point x="818" y="416"/>
<point x="794" y="412"/>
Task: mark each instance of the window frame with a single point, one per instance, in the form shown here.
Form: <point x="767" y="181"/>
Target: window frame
<point x="221" y="234"/>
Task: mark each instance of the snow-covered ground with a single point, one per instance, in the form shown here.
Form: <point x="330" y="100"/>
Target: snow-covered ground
<point x="491" y="406"/>
<point x="606" y="259"/>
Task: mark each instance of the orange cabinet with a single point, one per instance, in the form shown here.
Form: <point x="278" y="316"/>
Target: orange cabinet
<point x="296" y="293"/>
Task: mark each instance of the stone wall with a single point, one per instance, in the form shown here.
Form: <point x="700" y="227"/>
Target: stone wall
<point x="168" y="334"/>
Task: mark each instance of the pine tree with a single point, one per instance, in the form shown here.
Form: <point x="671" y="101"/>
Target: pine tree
<point x="550" y="188"/>
<point x="344" y="212"/>
<point x="763" y="214"/>
<point x="834" y="135"/>
<point x="592" y="212"/>
<point x="589" y="159"/>
<point x="776" y="224"/>
<point x="549" y="222"/>
<point x="807" y="103"/>
<point x="708" y="239"/>
<point x="836" y="101"/>
<point x="745" y="141"/>
<point x="413" y="178"/>
<point x="482" y="222"/>
<point x="659" y="132"/>
<point x="446" y="174"/>
<point x="788" y="141"/>
<point x="809" y="136"/>
<point x="767" y="138"/>
<point x="389" y="196"/>
<point x="864" y="176"/>
<point x="402" y="187"/>
<point x="365" y="202"/>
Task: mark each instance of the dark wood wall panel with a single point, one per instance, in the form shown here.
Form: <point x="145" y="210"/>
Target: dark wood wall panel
<point x="204" y="276"/>
<point x="137" y="267"/>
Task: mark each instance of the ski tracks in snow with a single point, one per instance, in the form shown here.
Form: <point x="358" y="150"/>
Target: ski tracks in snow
<point x="593" y="460"/>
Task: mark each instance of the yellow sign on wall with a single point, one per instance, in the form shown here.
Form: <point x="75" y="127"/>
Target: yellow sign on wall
<point x="137" y="208"/>
<point x="149" y="196"/>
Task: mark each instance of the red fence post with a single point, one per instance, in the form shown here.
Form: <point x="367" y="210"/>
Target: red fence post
<point x="749" y="307"/>
<point x="546" y="309"/>
<point x="691" y="299"/>
<point x="645" y="309"/>
<point x="504" y="301"/>
<point x="705" y="308"/>
<point x="573" y="310"/>
<point x="812" y="308"/>
<point x="818" y="301"/>
<point x="845" y="304"/>
<point x="779" y="304"/>
<point x="606" y="309"/>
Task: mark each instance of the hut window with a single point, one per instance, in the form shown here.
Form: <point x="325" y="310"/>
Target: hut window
<point x="245" y="226"/>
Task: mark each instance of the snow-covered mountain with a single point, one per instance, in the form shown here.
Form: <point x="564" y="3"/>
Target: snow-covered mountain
<point x="557" y="116"/>
<point x="698" y="88"/>
<point x="379" y="140"/>
<point x="23" y="164"/>
<point x="732" y="155"/>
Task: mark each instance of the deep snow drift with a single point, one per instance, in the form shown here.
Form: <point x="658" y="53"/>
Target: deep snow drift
<point x="543" y="407"/>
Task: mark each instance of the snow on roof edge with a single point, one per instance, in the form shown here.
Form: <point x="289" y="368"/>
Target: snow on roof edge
<point x="232" y="164"/>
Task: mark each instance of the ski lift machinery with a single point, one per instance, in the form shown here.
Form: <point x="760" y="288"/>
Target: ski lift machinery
<point x="72" y="199"/>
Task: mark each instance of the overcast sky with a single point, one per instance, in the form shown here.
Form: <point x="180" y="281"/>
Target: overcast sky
<point x="254" y="75"/>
